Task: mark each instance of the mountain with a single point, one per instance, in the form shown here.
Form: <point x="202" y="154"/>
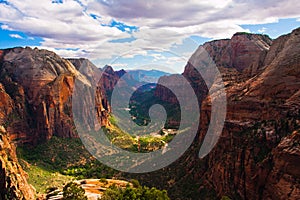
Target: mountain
<point x="256" y="156"/>
<point x="148" y="76"/>
<point x="41" y="85"/>
<point x="13" y="180"/>
<point x="262" y="113"/>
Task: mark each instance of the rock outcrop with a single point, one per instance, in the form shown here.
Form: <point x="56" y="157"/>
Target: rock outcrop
<point x="13" y="180"/>
<point x="256" y="155"/>
<point x="283" y="178"/>
<point x="36" y="88"/>
<point x="261" y="110"/>
<point x="242" y="52"/>
<point x="41" y="85"/>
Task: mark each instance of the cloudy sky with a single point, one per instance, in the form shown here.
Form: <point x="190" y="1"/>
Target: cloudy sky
<point x="137" y="33"/>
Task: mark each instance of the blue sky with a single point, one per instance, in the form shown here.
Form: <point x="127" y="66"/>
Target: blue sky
<point x="138" y="34"/>
<point x="274" y="30"/>
<point x="17" y="38"/>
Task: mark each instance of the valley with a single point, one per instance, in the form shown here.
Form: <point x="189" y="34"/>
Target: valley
<point x="256" y="155"/>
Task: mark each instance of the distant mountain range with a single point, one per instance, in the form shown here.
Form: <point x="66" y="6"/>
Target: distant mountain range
<point x="257" y="155"/>
<point x="148" y="76"/>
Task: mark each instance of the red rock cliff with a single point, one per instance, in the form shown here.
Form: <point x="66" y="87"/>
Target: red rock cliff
<point x="41" y="85"/>
<point x="256" y="155"/>
<point x="261" y="110"/>
<point x="13" y="180"/>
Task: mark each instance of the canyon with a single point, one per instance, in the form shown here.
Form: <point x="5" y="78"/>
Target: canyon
<point x="256" y="156"/>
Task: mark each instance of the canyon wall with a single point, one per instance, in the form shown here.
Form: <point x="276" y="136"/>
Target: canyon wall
<point x="13" y="180"/>
<point x="257" y="153"/>
<point x="256" y="156"/>
<point x="41" y="86"/>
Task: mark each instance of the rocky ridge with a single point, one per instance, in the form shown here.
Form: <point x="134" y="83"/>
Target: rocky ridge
<point x="261" y="79"/>
<point x="261" y="111"/>
<point x="257" y="153"/>
<point x="41" y="85"/>
<point x="13" y="181"/>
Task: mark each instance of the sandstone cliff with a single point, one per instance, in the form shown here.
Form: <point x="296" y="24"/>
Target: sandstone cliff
<point x="262" y="109"/>
<point x="36" y="88"/>
<point x="256" y="154"/>
<point x="41" y="85"/>
<point x="13" y="180"/>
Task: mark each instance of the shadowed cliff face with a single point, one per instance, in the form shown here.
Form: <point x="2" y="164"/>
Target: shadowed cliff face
<point x="262" y="109"/>
<point x="267" y="106"/>
<point x="257" y="154"/>
<point x="262" y="81"/>
<point x="36" y="88"/>
<point x="13" y="183"/>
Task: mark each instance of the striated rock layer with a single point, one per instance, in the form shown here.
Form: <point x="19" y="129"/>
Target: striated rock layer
<point x="41" y="85"/>
<point x="36" y="88"/>
<point x="13" y="180"/>
<point x="262" y="81"/>
<point x="257" y="153"/>
<point x="256" y="156"/>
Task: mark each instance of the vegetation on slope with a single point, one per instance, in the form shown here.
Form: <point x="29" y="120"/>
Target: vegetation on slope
<point x="137" y="192"/>
<point x="58" y="161"/>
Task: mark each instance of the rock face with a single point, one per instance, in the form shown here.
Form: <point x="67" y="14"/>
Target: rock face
<point x="242" y="51"/>
<point x="36" y="87"/>
<point x="99" y="80"/>
<point x="283" y="179"/>
<point x="242" y="56"/>
<point x="256" y="156"/>
<point x="41" y="84"/>
<point x="266" y="104"/>
<point x="13" y="182"/>
<point x="257" y="153"/>
<point x="262" y="108"/>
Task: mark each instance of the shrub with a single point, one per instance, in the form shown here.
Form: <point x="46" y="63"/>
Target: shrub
<point x="129" y="193"/>
<point x="73" y="191"/>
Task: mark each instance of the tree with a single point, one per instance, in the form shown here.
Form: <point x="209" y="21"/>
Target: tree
<point x="136" y="193"/>
<point x="135" y="183"/>
<point x="73" y="191"/>
<point x="225" y="198"/>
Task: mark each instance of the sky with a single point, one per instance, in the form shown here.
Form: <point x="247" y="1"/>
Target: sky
<point x="134" y="34"/>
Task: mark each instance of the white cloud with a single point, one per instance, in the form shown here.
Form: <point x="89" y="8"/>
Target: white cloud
<point x="262" y="30"/>
<point x="16" y="36"/>
<point x="8" y="13"/>
<point x="161" y="24"/>
<point x="119" y="65"/>
<point x="59" y="24"/>
<point x="6" y="27"/>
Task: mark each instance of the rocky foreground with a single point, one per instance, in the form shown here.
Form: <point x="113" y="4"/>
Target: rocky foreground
<point x="255" y="158"/>
<point x="94" y="188"/>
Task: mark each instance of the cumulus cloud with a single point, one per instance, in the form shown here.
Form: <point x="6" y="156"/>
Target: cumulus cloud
<point x="83" y="28"/>
<point x="262" y="30"/>
<point x="195" y="13"/>
<point x="16" y="36"/>
<point x="119" y="65"/>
